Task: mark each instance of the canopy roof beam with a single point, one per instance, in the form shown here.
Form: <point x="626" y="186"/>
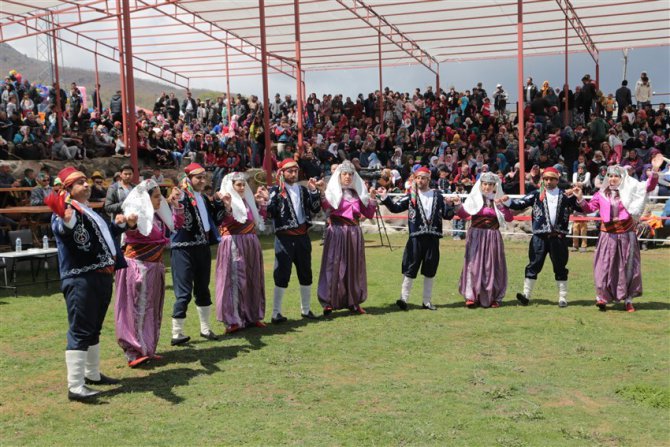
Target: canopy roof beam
<point x="579" y="28"/>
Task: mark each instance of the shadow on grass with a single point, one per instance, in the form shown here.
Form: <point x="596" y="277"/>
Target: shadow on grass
<point x="639" y="305"/>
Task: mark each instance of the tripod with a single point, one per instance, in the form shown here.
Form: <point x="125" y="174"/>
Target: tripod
<point x="381" y="224"/>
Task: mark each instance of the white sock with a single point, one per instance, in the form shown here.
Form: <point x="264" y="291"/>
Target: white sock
<point x="427" y="289"/>
<point x="76" y="366"/>
<point x="528" y="285"/>
<point x="305" y="297"/>
<point x="177" y="327"/>
<point x="562" y="290"/>
<point x="93" y="362"/>
<point x="279" y="296"/>
<point x="406" y="288"/>
<point x="203" y="313"/>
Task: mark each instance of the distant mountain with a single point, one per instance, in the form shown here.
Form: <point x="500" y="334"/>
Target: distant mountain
<point x="146" y="92"/>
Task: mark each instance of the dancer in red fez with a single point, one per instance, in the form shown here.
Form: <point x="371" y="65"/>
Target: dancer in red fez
<point x="290" y="207"/>
<point x="552" y="207"/>
<point x="191" y="258"/>
<point x="616" y="264"/>
<point x="427" y="208"/>
<point x="140" y="288"/>
<point x="87" y="258"/>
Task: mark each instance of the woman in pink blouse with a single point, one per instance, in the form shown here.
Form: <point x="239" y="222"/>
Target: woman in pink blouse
<point x="343" y="277"/>
<point x="621" y="201"/>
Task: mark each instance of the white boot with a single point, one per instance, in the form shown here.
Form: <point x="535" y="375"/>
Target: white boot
<point x="178" y="336"/>
<point x="405" y="290"/>
<point x="76" y="369"/>
<point x="305" y="298"/>
<point x="205" y="330"/>
<point x="93" y="363"/>
<point x="277" y="301"/>
<point x="528" y="285"/>
<point x="427" y="293"/>
<point x="562" y="293"/>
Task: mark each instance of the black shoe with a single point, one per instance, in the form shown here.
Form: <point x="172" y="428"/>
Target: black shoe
<point x="180" y="340"/>
<point x="310" y="316"/>
<point x="429" y="306"/>
<point x="522" y="299"/>
<point x="87" y="394"/>
<point x="209" y="336"/>
<point x="327" y="311"/>
<point x="104" y="380"/>
<point x="279" y="319"/>
<point x="401" y="304"/>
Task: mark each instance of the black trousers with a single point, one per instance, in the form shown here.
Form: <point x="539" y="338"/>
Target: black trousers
<point x="87" y="298"/>
<point x="421" y="252"/>
<point x="191" y="267"/>
<point x="291" y="250"/>
<point x="556" y="247"/>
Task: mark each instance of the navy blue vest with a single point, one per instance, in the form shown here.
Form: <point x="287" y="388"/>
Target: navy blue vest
<point x="192" y="233"/>
<point x="540" y="214"/>
<point x="416" y="219"/>
<point x="280" y="209"/>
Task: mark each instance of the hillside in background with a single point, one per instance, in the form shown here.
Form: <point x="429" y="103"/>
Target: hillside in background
<point x="146" y="92"/>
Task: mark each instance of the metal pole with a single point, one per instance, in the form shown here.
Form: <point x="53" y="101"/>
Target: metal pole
<point x="566" y="87"/>
<point x="520" y="118"/>
<point x="298" y="69"/>
<point x="267" y="159"/>
<point x="381" y="88"/>
<point x="59" y="108"/>
<point x="97" y="86"/>
<point x="122" y="75"/>
<point x="437" y="84"/>
<point x="130" y="88"/>
<point x="229" y="113"/>
<point x="598" y="75"/>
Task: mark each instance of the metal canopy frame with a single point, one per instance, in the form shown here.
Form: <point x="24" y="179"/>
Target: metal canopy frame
<point x="291" y="37"/>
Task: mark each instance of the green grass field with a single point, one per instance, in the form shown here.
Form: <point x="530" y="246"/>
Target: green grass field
<point x="513" y="376"/>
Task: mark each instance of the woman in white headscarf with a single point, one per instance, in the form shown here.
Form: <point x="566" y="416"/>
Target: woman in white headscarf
<point x="343" y="277"/>
<point x="616" y="265"/>
<point x="240" y="279"/>
<point x="484" y="277"/>
<point x="140" y="288"/>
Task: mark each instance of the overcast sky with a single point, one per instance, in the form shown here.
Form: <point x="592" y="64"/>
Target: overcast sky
<point x="463" y="75"/>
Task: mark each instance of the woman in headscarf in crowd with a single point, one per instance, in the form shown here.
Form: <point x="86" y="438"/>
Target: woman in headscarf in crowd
<point x="621" y="201"/>
<point x="140" y="288"/>
<point x="600" y="178"/>
<point x="343" y="277"/>
<point x="240" y="278"/>
<point x="484" y="276"/>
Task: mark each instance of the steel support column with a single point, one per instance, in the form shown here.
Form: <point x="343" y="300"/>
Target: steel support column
<point x="97" y="86"/>
<point x="381" y="85"/>
<point x="298" y="71"/>
<point x="566" y="85"/>
<point x="59" y="106"/>
<point x="130" y="89"/>
<point x="228" y="98"/>
<point x="597" y="75"/>
<point x="122" y="75"/>
<point x="520" y="117"/>
<point x="267" y="159"/>
<point x="437" y="83"/>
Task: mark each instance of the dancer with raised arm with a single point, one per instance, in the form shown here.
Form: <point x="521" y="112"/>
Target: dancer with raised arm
<point x="616" y="264"/>
<point x="484" y="276"/>
<point x="427" y="208"/>
<point x="140" y="288"/>
<point x="343" y="277"/>
<point x="240" y="278"/>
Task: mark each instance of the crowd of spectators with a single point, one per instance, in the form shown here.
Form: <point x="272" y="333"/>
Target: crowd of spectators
<point x="457" y="134"/>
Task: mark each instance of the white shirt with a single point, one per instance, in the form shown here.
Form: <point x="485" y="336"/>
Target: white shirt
<point x="426" y="199"/>
<point x="202" y="210"/>
<point x="296" y="199"/>
<point x="552" y="204"/>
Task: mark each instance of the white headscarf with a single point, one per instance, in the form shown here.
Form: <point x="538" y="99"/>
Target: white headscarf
<point x="237" y="202"/>
<point x="139" y="202"/>
<point x="475" y="200"/>
<point x="334" y="188"/>
<point x="633" y="193"/>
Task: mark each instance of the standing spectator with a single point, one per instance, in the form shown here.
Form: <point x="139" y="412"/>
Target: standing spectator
<point x="116" y="107"/>
<point x="623" y="99"/>
<point x="96" y="102"/>
<point x="643" y="91"/>
<point x="500" y="98"/>
<point x="530" y="91"/>
<point x="586" y="97"/>
<point x="173" y="108"/>
<point x="189" y="107"/>
<point x="118" y="192"/>
<point x="98" y="190"/>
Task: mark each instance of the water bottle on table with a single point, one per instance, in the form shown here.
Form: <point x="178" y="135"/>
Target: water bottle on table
<point x="45" y="242"/>
<point x="18" y="244"/>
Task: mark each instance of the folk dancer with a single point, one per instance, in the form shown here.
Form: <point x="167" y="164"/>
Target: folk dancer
<point x="427" y="208"/>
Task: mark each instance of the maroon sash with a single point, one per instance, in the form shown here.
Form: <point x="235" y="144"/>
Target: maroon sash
<point x="618" y="226"/>
<point x="485" y="222"/>
<point x="237" y="228"/>
<point x="343" y="221"/>
<point x="301" y="230"/>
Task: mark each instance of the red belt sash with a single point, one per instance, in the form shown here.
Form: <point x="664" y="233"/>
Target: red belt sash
<point x="301" y="230"/>
<point x="343" y="221"/>
<point x="145" y="252"/>
<point x="618" y="226"/>
<point x="237" y="228"/>
<point x="485" y="222"/>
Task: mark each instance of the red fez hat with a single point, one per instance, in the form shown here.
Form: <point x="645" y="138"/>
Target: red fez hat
<point x="70" y="175"/>
<point x="194" y="169"/>
<point x="551" y="172"/>
<point x="288" y="163"/>
<point x="422" y="171"/>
